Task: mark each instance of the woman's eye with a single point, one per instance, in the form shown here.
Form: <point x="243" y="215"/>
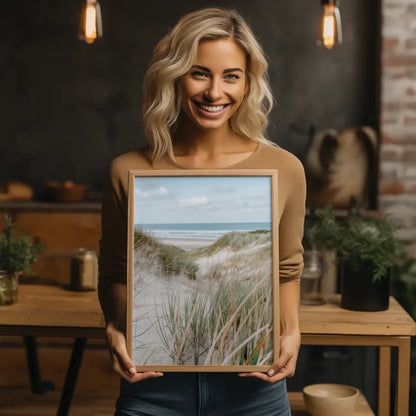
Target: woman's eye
<point x="232" y="76"/>
<point x="199" y="74"/>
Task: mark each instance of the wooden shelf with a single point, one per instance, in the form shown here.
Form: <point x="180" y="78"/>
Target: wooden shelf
<point x="46" y="206"/>
<point x="298" y="408"/>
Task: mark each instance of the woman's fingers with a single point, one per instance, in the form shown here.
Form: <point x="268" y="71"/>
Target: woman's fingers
<point x="285" y="366"/>
<point x="121" y="357"/>
<point x="134" y="378"/>
<point x="122" y="363"/>
<point x="275" y="373"/>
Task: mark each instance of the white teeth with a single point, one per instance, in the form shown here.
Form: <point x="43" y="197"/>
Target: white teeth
<point x="212" y="109"/>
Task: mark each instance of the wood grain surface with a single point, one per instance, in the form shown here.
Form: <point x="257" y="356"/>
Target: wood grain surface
<point x="330" y="318"/>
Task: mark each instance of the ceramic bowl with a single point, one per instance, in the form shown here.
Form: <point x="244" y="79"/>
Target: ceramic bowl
<point x="330" y="399"/>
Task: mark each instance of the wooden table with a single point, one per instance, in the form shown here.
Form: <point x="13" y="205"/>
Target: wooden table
<point x="329" y="324"/>
<point x="49" y="311"/>
<point x="46" y="310"/>
<point x="54" y="311"/>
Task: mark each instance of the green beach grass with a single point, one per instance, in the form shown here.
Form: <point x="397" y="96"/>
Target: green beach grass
<point x="225" y="318"/>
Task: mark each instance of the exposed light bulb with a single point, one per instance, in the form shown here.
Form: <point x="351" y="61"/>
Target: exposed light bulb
<point x="91" y="25"/>
<point x="330" y="32"/>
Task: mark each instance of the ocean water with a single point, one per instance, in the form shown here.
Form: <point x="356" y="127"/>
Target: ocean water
<point x="200" y="231"/>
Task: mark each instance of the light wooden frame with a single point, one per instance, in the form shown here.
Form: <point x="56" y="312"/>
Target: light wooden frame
<point x="274" y="278"/>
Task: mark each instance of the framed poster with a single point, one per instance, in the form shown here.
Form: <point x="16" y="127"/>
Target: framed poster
<point x="203" y="270"/>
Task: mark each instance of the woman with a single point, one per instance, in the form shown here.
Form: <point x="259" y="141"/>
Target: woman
<point x="206" y="102"/>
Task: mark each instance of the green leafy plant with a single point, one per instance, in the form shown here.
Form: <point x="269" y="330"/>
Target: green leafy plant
<point x="359" y="241"/>
<point x="16" y="255"/>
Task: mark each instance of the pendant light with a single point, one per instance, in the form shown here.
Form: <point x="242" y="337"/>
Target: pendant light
<point x="330" y="32"/>
<point x="91" y="28"/>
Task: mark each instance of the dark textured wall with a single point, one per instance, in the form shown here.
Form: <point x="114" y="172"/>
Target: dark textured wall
<point x="68" y="108"/>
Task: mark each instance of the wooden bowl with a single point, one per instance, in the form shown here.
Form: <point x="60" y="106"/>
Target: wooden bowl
<point x="67" y="191"/>
<point x="330" y="399"/>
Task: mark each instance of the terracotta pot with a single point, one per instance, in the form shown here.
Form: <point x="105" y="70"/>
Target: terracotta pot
<point x="8" y="287"/>
<point x="359" y="292"/>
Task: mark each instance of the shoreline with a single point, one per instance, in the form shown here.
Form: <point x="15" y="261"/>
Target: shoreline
<point x="187" y="244"/>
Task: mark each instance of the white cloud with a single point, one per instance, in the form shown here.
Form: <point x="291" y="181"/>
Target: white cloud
<point x="161" y="191"/>
<point x="193" y="201"/>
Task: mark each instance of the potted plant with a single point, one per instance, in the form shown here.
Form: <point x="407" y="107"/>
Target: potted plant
<point x="16" y="256"/>
<point x="366" y="248"/>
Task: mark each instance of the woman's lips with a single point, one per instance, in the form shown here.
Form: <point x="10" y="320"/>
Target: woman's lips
<point x="211" y="110"/>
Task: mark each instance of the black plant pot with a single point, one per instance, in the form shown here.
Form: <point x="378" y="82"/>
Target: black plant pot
<point x="360" y="293"/>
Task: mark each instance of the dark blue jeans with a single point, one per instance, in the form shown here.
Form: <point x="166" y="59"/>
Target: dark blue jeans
<point x="202" y="394"/>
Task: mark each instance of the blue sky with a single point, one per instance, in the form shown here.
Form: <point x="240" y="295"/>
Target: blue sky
<point x="161" y="200"/>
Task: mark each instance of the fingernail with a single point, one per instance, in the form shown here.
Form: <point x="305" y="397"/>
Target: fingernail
<point x="132" y="370"/>
<point x="271" y="372"/>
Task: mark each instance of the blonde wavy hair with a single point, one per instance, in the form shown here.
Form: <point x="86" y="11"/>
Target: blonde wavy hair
<point x="174" y="56"/>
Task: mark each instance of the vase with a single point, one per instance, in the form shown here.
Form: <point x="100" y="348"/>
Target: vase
<point x="359" y="292"/>
<point x="8" y="287"/>
<point x="311" y="284"/>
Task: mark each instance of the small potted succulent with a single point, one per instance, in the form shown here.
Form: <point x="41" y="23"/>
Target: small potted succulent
<point x="367" y="248"/>
<point x="16" y="256"/>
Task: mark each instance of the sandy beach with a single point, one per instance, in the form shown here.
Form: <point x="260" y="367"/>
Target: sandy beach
<point x="186" y="244"/>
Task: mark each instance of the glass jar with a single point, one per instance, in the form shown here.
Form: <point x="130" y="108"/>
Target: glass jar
<point x="84" y="270"/>
<point x="311" y="286"/>
<point x="8" y="287"/>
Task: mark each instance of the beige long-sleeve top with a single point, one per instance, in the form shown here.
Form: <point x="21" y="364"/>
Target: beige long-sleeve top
<point x="291" y="208"/>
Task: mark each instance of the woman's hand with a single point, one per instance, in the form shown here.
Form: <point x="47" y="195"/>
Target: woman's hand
<point x="122" y="363"/>
<point x="286" y="364"/>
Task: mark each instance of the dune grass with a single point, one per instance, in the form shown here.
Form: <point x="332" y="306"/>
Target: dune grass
<point x="183" y="328"/>
<point x="172" y="260"/>
<point x="235" y="240"/>
<point x="231" y="326"/>
<point x="226" y="319"/>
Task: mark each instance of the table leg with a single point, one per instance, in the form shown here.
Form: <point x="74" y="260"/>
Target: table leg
<point x="403" y="377"/>
<point x="37" y="385"/>
<point x="384" y="378"/>
<point x="71" y="376"/>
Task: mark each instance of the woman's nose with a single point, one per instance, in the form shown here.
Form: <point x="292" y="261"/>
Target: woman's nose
<point x="213" y="92"/>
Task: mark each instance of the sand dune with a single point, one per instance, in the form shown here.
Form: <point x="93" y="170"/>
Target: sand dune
<point x="242" y="257"/>
<point x="186" y="244"/>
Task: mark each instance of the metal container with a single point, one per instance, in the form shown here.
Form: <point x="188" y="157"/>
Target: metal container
<point x="84" y="270"/>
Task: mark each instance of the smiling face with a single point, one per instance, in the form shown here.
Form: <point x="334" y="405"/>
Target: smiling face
<point x="213" y="89"/>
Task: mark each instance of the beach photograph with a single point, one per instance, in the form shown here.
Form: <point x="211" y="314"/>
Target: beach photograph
<point x="202" y="271"/>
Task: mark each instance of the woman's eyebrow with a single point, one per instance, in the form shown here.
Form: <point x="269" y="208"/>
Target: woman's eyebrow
<point x="226" y="71"/>
<point x="204" y="68"/>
